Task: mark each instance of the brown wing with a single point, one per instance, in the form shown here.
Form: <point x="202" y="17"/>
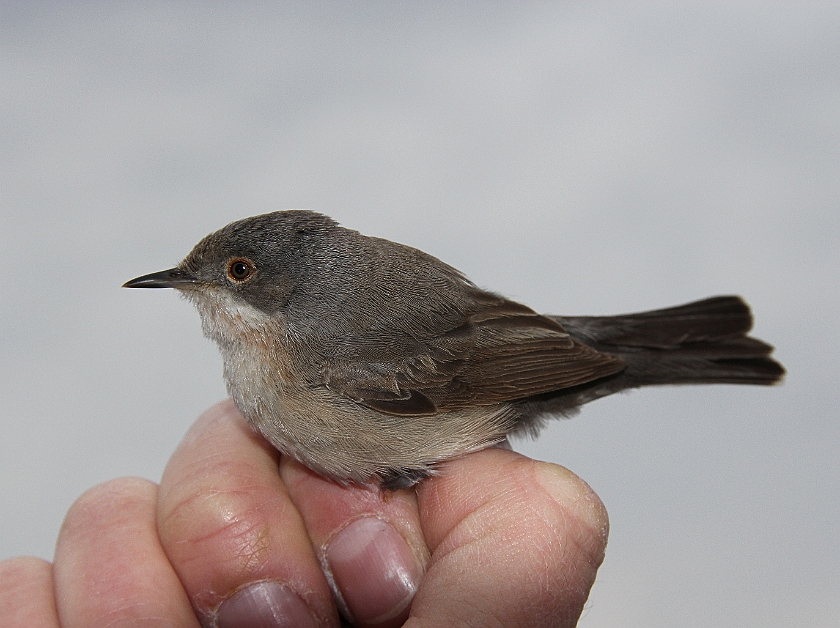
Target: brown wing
<point x="523" y="354"/>
<point x="504" y="352"/>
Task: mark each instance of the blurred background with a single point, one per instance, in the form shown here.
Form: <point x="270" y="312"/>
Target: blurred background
<point x="583" y="158"/>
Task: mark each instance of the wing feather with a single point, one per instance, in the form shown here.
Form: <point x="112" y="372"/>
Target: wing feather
<point x="503" y="352"/>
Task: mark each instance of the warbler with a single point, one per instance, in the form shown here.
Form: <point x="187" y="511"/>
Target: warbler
<point x="371" y="361"/>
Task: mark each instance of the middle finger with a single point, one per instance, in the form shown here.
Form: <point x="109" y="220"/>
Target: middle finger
<point x="233" y="534"/>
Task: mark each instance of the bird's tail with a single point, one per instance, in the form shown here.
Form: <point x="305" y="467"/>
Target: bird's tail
<point x="704" y="342"/>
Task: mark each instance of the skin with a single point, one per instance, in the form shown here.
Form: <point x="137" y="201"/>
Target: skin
<point x="131" y="552"/>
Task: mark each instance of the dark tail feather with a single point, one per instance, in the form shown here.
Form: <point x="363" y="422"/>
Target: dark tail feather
<point x="704" y="342"/>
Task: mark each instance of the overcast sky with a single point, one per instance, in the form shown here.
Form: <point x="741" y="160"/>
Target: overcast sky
<point x="584" y="158"/>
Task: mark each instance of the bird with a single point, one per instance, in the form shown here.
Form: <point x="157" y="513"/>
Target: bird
<point x="372" y="362"/>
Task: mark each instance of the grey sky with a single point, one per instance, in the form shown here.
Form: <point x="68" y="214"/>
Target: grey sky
<point x="584" y="158"/>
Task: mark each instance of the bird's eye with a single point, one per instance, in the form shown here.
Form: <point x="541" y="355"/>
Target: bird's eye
<point x="240" y="269"/>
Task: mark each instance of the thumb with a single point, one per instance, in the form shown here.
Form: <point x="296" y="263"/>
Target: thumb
<point x="515" y="542"/>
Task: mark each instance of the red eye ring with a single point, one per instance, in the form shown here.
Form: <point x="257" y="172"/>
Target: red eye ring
<point x="240" y="269"/>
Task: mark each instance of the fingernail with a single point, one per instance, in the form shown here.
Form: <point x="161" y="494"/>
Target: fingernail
<point x="374" y="570"/>
<point x="263" y="605"/>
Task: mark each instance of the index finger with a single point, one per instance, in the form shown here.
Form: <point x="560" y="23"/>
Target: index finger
<point x="369" y="542"/>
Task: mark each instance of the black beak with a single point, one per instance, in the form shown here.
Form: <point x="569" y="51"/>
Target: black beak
<point x="172" y="278"/>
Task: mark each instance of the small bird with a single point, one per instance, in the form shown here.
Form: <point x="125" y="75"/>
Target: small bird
<point x="372" y="362"/>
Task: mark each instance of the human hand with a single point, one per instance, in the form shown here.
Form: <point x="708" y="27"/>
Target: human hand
<point x="495" y="540"/>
